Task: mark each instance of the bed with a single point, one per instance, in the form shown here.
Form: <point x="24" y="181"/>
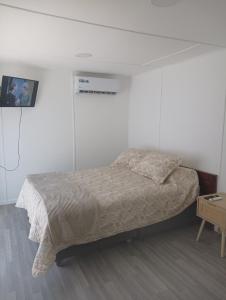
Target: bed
<point x="78" y="208"/>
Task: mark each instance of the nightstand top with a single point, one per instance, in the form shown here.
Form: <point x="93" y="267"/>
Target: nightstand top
<point x="218" y="203"/>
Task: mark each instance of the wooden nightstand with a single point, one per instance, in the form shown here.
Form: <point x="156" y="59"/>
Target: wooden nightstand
<point x="215" y="213"/>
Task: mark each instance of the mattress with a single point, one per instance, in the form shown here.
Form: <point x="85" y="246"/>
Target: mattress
<point x="74" y="208"/>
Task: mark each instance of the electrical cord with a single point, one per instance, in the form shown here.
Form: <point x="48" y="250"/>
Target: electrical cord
<point x="18" y="146"/>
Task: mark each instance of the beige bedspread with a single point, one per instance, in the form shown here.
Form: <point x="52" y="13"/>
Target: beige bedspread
<point x="73" y="208"/>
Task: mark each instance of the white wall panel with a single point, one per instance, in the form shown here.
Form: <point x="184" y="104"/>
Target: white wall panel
<point x="46" y="131"/>
<point x="189" y="117"/>
<point x="144" y="110"/>
<point x="101" y="127"/>
<point x="193" y="111"/>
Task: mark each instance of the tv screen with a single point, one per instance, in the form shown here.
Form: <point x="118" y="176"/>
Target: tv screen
<point x="18" y="92"/>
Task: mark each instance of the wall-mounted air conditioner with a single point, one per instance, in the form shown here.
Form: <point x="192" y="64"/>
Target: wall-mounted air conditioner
<point x="95" y="85"/>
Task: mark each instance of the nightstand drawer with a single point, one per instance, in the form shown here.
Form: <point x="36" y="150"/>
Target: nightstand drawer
<point x="211" y="213"/>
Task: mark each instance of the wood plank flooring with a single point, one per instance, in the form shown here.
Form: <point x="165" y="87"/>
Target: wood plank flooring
<point x="166" y="266"/>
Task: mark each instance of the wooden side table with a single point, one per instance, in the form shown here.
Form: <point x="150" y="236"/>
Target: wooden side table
<point x="215" y="213"/>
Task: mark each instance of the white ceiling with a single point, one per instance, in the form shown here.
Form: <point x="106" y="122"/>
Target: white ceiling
<point x="124" y="36"/>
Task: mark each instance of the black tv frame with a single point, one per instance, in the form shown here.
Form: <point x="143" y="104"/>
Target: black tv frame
<point x="4" y="88"/>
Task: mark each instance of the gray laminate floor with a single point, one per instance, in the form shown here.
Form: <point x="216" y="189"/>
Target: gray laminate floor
<point x="166" y="266"/>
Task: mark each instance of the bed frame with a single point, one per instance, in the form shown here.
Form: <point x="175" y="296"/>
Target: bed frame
<point x="208" y="185"/>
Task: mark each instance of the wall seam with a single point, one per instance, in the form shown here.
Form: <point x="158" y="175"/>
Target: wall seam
<point x="73" y="121"/>
<point x="5" y="192"/>
<point x="129" y="111"/>
<point x="222" y="140"/>
<point x="75" y="131"/>
<point x="160" y="111"/>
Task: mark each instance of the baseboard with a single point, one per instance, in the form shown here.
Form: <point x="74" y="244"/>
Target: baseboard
<point x="10" y="201"/>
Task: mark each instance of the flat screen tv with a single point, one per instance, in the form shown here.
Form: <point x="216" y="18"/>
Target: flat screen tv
<point x="18" y="92"/>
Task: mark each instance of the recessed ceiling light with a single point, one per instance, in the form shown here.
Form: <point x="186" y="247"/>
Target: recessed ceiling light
<point x="164" y="3"/>
<point x="83" y="55"/>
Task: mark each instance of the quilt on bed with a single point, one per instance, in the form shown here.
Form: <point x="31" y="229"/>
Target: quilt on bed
<point x="66" y="209"/>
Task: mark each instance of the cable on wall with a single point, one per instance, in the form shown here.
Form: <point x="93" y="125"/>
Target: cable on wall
<point x="18" y="146"/>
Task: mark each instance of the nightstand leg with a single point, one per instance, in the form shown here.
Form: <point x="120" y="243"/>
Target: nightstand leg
<point x="200" y="230"/>
<point x="222" y="243"/>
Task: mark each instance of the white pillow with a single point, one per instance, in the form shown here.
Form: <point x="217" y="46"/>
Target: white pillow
<point x="157" y="166"/>
<point x="128" y="157"/>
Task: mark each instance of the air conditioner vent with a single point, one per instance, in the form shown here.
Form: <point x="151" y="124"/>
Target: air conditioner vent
<point x="96" y="92"/>
<point x="93" y="85"/>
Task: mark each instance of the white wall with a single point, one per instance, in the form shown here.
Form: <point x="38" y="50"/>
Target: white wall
<point x="46" y="133"/>
<point x="145" y="94"/>
<point x="101" y="127"/>
<point x="48" y="139"/>
<point x="180" y="109"/>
